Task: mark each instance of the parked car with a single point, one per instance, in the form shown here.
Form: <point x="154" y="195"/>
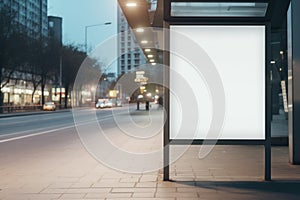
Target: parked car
<point x="104" y="103"/>
<point x="109" y="103"/>
<point x="49" y="106"/>
<point x="100" y="104"/>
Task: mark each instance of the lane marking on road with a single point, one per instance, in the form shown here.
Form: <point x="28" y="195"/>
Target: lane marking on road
<point x="34" y="134"/>
<point x="39" y="118"/>
<point x="50" y="131"/>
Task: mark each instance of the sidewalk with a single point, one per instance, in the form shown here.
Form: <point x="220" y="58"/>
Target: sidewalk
<point x="57" y="166"/>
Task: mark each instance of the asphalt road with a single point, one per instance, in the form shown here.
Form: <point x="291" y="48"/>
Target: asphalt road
<point x="14" y="128"/>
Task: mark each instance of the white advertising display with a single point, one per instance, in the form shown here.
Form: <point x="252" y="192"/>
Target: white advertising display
<point x="238" y="55"/>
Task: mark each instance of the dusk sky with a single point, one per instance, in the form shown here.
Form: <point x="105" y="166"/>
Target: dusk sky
<point x="77" y="14"/>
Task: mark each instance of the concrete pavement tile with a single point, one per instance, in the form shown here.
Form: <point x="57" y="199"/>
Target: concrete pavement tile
<point x="167" y="190"/>
<point x="68" y="179"/>
<point x="73" y="196"/>
<point x="60" y="185"/>
<point x="28" y="190"/>
<point x="109" y="180"/>
<point x="145" y="190"/>
<point x="53" y="191"/>
<point x="122" y="190"/>
<point x="82" y="184"/>
<point x="143" y="195"/>
<point x="129" y="180"/>
<point x="113" y="184"/>
<point x="134" y="190"/>
<point x="77" y="190"/>
<point x="38" y="196"/>
<point x="13" y="185"/>
<point x="99" y="190"/>
<point x="96" y="195"/>
<point x="125" y="175"/>
<point x="146" y="184"/>
<point x="148" y="178"/>
<point x="119" y="195"/>
<point x="91" y="178"/>
<point x="113" y="175"/>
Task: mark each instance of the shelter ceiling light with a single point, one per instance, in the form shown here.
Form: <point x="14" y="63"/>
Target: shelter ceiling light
<point x="131" y="4"/>
<point x="147" y="50"/>
<point x="140" y="30"/>
<point x="153" y="64"/>
<point x="150" y="56"/>
<point x="152" y="60"/>
<point x="144" y="42"/>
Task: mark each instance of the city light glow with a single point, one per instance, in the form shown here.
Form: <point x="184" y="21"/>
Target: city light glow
<point x="131" y="4"/>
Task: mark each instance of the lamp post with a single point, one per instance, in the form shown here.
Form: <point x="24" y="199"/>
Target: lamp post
<point x="89" y="26"/>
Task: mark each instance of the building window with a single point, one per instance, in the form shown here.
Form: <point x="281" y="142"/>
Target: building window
<point x="51" y="24"/>
<point x="136" y="62"/>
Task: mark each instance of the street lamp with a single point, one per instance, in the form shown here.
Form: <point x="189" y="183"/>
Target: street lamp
<point x="89" y="26"/>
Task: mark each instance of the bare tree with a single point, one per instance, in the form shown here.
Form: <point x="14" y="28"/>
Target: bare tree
<point x="12" y="44"/>
<point x="72" y="59"/>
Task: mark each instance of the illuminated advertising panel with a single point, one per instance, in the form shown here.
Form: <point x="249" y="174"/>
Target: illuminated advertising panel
<point x="238" y="55"/>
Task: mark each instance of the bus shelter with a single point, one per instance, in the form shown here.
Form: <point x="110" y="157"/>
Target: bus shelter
<point x="219" y="75"/>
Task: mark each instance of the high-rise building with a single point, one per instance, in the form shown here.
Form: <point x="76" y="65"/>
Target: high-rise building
<point x="130" y="54"/>
<point x="30" y="15"/>
<point x="55" y="28"/>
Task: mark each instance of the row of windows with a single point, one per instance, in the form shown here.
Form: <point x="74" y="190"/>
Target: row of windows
<point x="136" y="55"/>
<point x="136" y="62"/>
<point x="128" y="67"/>
<point x="123" y="38"/>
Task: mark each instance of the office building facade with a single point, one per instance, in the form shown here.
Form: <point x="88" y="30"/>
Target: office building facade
<point x="55" y="28"/>
<point x="130" y="55"/>
<point x="31" y="15"/>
